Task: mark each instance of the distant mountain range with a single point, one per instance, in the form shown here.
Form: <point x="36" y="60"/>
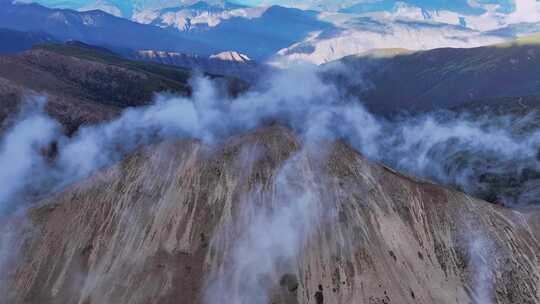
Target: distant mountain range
<point x="445" y="78"/>
<point x="275" y="34"/>
<point x="265" y="33"/>
<point x="225" y="63"/>
<point x="259" y="38"/>
<point x="258" y="32"/>
<point x="237" y="33"/>
<point x="188" y="17"/>
<point x="467" y="8"/>
<point x="95" y="27"/>
<point x="357" y="35"/>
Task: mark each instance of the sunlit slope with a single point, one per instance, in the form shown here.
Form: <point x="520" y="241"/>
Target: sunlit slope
<point x="448" y="77"/>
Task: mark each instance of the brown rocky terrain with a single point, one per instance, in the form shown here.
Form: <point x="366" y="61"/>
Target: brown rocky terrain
<point x="85" y="84"/>
<point x="162" y="227"/>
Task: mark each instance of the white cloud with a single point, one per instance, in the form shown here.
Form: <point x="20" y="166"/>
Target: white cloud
<point x="526" y="11"/>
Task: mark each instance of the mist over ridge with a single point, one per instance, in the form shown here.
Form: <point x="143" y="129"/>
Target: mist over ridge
<point x="299" y="192"/>
<point x="462" y="151"/>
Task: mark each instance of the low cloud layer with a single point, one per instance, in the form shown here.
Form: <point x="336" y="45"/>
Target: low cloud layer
<point x="463" y="151"/>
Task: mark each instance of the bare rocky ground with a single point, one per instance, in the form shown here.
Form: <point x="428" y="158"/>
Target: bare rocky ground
<point x="160" y="227"/>
<point x="85" y="85"/>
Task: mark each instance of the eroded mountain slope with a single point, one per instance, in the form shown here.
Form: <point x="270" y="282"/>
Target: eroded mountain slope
<point x="85" y="84"/>
<point x="268" y="219"/>
<point x="446" y="77"/>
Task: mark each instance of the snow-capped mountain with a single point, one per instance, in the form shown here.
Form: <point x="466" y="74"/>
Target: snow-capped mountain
<point x="231" y="56"/>
<point x="411" y="27"/>
<point x="257" y="32"/>
<point x="259" y="37"/>
<point x="228" y="63"/>
<point x="196" y="16"/>
<point x="490" y="18"/>
<point x="349" y="31"/>
<point x="123" y="8"/>
<point x="332" y="30"/>
<point x="359" y="34"/>
<point x="96" y="27"/>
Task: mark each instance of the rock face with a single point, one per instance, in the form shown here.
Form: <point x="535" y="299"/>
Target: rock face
<point x="174" y="223"/>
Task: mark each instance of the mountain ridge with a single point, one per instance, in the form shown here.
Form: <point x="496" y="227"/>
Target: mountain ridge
<point x="447" y="77"/>
<point x="86" y="84"/>
<point x="94" y="27"/>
